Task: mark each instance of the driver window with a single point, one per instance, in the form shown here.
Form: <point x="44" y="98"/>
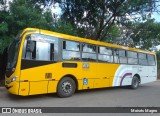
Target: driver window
<point x="28" y="54"/>
<point x="39" y="48"/>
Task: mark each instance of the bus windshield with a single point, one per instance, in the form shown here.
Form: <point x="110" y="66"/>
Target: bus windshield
<point x="13" y="54"/>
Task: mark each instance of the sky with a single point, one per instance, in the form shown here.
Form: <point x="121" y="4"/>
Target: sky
<point x="156" y="16"/>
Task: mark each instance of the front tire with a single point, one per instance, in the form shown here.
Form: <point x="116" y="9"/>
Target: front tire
<point x="135" y="83"/>
<point x="66" y="87"/>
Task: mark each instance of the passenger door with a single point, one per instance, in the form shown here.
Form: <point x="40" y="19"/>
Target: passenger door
<point x="35" y="65"/>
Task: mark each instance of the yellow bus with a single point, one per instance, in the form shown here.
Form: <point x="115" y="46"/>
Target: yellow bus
<point x="41" y="61"/>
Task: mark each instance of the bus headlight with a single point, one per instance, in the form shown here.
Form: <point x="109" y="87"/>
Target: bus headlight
<point x="13" y="79"/>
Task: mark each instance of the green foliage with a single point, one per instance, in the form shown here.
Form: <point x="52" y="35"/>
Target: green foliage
<point x="100" y="15"/>
<point x="146" y="34"/>
<point x="4" y="42"/>
<point x="3" y="27"/>
<point x="113" y="33"/>
<point x="85" y="18"/>
<point x="22" y="14"/>
<point x="63" y="27"/>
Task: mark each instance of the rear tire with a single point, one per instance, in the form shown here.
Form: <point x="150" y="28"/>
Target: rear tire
<point x="66" y="87"/>
<point x="135" y="83"/>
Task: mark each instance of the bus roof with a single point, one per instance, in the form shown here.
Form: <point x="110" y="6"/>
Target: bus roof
<point x="85" y="40"/>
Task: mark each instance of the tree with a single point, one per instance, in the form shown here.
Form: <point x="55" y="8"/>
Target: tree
<point x="27" y="14"/>
<point x="64" y="27"/>
<point x="145" y="35"/>
<point x="4" y="39"/>
<point x="94" y="18"/>
<point x="19" y="15"/>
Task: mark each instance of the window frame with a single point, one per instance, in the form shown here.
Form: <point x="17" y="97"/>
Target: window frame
<point x="151" y="60"/>
<point x="25" y="45"/>
<point x="71" y="41"/>
<point x="98" y="53"/>
<point x="96" y="60"/>
<point x="142" y="59"/>
<point x="122" y="56"/>
<point x="90" y="44"/>
<point x="132" y="57"/>
<point x="80" y="58"/>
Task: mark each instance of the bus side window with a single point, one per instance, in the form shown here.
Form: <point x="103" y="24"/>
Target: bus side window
<point x="151" y="60"/>
<point x="71" y="50"/>
<point x="132" y="57"/>
<point x="45" y="48"/>
<point x="143" y="59"/>
<point x="116" y="54"/>
<point x="105" y="54"/>
<point x="123" y="56"/>
<point x="34" y="51"/>
<point x="89" y="52"/>
<point x="30" y="54"/>
<point x="52" y="52"/>
<point x="43" y="51"/>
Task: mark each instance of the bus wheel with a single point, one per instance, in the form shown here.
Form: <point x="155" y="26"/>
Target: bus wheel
<point x="66" y="87"/>
<point x="135" y="83"/>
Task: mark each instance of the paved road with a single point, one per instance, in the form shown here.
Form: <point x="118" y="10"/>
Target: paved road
<point x="146" y="95"/>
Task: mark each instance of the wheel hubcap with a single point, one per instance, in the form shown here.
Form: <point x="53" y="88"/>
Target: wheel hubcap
<point x="135" y="82"/>
<point x="66" y="87"/>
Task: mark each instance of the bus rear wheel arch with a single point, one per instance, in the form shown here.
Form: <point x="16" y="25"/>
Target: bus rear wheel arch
<point x="66" y="87"/>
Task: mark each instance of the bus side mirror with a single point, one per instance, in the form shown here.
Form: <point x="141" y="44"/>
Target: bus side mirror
<point x="30" y="46"/>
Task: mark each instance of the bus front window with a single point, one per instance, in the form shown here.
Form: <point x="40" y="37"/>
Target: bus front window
<point x="12" y="57"/>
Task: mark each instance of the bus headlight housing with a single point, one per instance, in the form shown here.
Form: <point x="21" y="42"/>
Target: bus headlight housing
<point x="13" y="79"/>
